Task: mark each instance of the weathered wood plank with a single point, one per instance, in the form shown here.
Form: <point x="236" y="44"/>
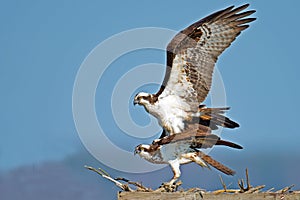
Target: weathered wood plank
<point x="208" y="196"/>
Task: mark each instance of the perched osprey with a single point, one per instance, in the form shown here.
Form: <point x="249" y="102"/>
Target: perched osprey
<point x="183" y="148"/>
<point x="191" y="57"/>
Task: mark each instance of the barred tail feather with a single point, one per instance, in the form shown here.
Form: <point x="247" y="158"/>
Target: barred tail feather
<point x="219" y="166"/>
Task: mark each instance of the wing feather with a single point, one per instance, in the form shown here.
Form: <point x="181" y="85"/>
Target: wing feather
<point x="192" y="53"/>
<point x="196" y="138"/>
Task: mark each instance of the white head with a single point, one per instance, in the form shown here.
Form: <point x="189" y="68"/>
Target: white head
<point x="144" y="99"/>
<point x="141" y="148"/>
<point x="143" y="151"/>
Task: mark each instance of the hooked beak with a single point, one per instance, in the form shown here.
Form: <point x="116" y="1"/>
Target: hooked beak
<point x="136" y="151"/>
<point x="135" y="102"/>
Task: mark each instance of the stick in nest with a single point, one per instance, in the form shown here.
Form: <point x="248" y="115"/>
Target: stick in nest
<point x="107" y="176"/>
<point x="139" y="186"/>
<point x="242" y="188"/>
<point x="124" y="187"/>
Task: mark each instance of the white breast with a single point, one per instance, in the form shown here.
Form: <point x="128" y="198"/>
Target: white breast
<point x="174" y="151"/>
<point x="171" y="111"/>
<point x="172" y="108"/>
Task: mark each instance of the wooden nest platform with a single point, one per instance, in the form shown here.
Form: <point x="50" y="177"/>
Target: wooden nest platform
<point x="131" y="190"/>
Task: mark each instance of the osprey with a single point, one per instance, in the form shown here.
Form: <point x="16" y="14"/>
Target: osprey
<point x="184" y="148"/>
<point x="191" y="57"/>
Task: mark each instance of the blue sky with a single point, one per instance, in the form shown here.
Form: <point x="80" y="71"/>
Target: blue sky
<point x="44" y="43"/>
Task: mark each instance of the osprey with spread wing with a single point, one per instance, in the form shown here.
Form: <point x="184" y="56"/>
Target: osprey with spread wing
<point x="191" y="57"/>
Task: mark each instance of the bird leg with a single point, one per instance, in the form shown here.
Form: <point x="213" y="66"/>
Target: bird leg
<point x="171" y="186"/>
<point x="175" y="165"/>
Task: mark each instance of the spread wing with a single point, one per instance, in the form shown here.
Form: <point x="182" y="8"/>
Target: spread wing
<point x="192" y="53"/>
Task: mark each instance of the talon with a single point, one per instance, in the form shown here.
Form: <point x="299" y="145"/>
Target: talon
<point x="170" y="186"/>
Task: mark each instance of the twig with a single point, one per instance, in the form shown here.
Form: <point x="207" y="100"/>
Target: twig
<point x="249" y="187"/>
<point x="107" y="176"/>
<point x="227" y="191"/>
<point x="139" y="186"/>
<point x="255" y="189"/>
<point x="286" y="189"/>
<point x="270" y="190"/>
<point x="241" y="185"/>
<point x="103" y="172"/>
<point x="223" y="184"/>
<point x="247" y="180"/>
